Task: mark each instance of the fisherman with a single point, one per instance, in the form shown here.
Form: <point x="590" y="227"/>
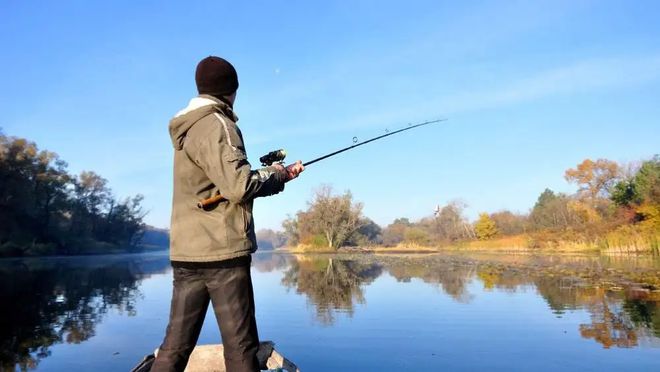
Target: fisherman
<point x="210" y="248"/>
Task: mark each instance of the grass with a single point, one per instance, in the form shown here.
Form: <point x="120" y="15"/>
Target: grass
<point x="618" y="242"/>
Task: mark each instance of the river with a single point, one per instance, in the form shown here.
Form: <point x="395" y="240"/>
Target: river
<point x="351" y="312"/>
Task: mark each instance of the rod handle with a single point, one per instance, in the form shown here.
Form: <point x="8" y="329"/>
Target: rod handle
<point x="202" y="204"/>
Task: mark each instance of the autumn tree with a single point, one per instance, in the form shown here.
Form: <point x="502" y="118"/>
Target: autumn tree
<point x="509" y="223"/>
<point x="485" y="227"/>
<point x="450" y="224"/>
<point x="329" y="219"/>
<point x="594" y="178"/>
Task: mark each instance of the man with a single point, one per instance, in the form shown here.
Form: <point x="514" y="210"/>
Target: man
<point x="210" y="248"/>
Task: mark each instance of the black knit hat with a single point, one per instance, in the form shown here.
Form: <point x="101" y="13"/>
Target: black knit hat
<point x="215" y="76"/>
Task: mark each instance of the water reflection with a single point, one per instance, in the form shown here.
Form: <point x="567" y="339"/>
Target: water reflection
<point x="47" y="301"/>
<point x="330" y="284"/>
<point x="618" y="318"/>
<point x="622" y="313"/>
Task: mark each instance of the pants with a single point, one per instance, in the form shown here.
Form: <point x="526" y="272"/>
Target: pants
<point x="228" y="286"/>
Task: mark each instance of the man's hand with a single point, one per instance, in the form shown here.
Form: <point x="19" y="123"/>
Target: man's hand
<point x="293" y="170"/>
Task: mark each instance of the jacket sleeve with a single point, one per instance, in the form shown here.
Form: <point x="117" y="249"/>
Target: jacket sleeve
<point x="221" y="154"/>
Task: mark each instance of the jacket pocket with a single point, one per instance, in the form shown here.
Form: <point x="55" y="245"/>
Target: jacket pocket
<point x="246" y="218"/>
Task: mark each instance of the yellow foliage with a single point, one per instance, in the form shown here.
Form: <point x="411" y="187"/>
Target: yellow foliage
<point x="650" y="217"/>
<point x="585" y="212"/>
<point x="485" y="227"/>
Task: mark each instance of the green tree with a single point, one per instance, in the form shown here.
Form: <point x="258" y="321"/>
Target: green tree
<point x="485" y="227"/>
<point x="624" y="193"/>
<point x="647" y="181"/>
<point x="45" y="210"/>
<point x="551" y="211"/>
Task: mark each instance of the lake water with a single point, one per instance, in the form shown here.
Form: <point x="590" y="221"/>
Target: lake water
<point x="350" y="313"/>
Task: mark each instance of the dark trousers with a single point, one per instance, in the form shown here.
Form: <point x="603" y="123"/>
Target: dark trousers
<point x="228" y="286"/>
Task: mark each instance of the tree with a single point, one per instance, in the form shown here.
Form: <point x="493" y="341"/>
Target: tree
<point x="551" y="211"/>
<point x="290" y="226"/>
<point x="450" y="224"/>
<point x="647" y="181"/>
<point x="92" y="196"/>
<point x="369" y="232"/>
<point x="330" y="220"/>
<point x="641" y="195"/>
<point x="624" y="193"/>
<point x="485" y="227"/>
<point x="595" y="178"/>
<point x="394" y="233"/>
<point x="45" y="210"/>
<point x="509" y="223"/>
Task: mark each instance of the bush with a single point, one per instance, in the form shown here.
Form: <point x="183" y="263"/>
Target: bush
<point x="415" y="235"/>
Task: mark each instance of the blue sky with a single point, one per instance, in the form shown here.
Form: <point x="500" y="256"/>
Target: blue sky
<point x="529" y="88"/>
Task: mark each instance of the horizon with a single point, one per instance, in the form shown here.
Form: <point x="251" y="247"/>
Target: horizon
<point x="530" y="90"/>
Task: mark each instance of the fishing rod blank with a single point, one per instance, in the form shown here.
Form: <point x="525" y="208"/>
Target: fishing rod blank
<point x="371" y="140"/>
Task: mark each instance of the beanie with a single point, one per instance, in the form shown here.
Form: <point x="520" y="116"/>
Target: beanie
<point x="215" y="76"/>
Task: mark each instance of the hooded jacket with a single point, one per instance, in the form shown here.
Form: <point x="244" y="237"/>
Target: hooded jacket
<point x="210" y="158"/>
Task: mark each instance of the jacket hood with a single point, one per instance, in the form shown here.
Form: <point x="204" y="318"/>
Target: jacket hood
<point x="198" y="108"/>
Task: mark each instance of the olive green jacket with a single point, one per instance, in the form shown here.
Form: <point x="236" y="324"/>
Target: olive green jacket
<point x="210" y="158"/>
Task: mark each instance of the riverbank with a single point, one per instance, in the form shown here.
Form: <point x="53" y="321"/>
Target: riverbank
<point x="519" y="243"/>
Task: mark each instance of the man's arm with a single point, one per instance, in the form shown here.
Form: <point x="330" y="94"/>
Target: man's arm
<point x="221" y="155"/>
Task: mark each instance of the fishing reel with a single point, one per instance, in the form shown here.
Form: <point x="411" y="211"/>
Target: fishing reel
<point x="276" y="156"/>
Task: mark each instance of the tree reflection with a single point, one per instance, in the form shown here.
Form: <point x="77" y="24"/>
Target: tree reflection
<point x="330" y="284"/>
<point x="453" y="279"/>
<point x="644" y="313"/>
<point x="617" y="318"/>
<point x="50" y="301"/>
<point x="610" y="324"/>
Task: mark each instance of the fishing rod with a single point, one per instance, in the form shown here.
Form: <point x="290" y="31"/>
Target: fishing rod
<point x="371" y="140"/>
<point x="278" y="156"/>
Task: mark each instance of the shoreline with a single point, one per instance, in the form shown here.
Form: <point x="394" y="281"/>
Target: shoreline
<point x="614" y="272"/>
<point x="507" y="244"/>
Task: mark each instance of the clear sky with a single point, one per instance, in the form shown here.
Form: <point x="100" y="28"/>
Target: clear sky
<point x="530" y="89"/>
